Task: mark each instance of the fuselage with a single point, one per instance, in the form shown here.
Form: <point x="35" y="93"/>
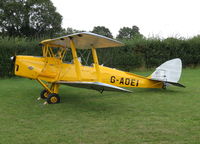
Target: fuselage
<point x="53" y="69"/>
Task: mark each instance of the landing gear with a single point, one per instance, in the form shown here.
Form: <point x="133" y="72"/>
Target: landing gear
<point x="44" y="94"/>
<point x="49" y="93"/>
<point x="53" y="98"/>
<point x="164" y="87"/>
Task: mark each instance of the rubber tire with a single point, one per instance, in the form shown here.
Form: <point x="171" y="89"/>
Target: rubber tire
<point x="42" y="94"/>
<point x="53" y="98"/>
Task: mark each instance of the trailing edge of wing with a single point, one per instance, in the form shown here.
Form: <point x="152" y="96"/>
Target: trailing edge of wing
<point x="94" y="85"/>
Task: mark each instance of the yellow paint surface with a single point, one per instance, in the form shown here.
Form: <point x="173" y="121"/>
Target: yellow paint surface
<point x="52" y="69"/>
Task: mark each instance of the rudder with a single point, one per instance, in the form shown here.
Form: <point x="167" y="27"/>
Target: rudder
<point x="170" y="71"/>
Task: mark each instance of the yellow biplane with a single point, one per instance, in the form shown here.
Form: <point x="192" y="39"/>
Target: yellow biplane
<point x="50" y="70"/>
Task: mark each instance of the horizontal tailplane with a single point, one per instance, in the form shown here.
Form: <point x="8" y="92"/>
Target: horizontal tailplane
<point x="176" y="84"/>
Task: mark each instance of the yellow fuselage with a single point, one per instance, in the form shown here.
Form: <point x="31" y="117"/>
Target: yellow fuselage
<point x="52" y="70"/>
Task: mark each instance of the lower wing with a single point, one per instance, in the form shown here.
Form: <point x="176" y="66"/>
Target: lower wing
<point x="94" y="85"/>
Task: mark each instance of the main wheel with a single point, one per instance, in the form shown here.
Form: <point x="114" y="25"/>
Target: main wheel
<point x="53" y="98"/>
<point x="44" y="94"/>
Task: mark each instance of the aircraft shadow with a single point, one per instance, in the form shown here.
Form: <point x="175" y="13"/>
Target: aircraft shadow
<point x="91" y="100"/>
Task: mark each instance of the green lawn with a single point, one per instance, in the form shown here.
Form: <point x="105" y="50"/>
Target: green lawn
<point x="154" y="116"/>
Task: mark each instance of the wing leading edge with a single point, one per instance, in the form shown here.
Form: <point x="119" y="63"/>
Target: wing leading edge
<point x="94" y="85"/>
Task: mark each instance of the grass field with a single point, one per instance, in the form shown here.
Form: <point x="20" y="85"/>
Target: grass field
<point x="153" y="116"/>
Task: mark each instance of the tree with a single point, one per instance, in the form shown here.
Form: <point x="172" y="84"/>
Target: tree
<point x="128" y="33"/>
<point x="29" y="18"/>
<point x="69" y="30"/>
<point x="102" y="31"/>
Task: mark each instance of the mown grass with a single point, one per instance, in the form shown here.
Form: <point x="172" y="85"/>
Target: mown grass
<point x="88" y="117"/>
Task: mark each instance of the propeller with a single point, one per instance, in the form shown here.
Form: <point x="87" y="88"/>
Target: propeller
<point x="13" y="59"/>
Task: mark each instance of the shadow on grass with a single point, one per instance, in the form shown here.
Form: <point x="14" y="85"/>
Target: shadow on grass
<point x="89" y="100"/>
<point x="157" y="90"/>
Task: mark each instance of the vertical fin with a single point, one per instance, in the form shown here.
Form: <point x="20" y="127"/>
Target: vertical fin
<point x="170" y="71"/>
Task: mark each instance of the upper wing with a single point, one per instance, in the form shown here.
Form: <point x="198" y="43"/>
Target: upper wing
<point x="84" y="40"/>
<point x="94" y="85"/>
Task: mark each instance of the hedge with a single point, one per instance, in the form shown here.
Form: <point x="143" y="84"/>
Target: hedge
<point x="136" y="53"/>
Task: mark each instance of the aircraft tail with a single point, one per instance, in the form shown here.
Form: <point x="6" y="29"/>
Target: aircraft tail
<point x="168" y="72"/>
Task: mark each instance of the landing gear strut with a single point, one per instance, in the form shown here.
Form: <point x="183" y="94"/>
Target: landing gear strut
<point x="50" y="94"/>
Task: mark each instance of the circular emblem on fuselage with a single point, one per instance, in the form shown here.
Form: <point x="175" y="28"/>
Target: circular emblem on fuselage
<point x="30" y="67"/>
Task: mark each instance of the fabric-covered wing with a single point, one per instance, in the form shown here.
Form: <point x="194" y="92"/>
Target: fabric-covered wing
<point x="84" y="40"/>
<point x="94" y="85"/>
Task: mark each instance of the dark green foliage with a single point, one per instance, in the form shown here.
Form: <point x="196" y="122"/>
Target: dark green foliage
<point x="128" y="33"/>
<point x="15" y="46"/>
<point x="148" y="53"/>
<point x="67" y="31"/>
<point x="29" y="18"/>
<point x="136" y="53"/>
<point x="102" y="30"/>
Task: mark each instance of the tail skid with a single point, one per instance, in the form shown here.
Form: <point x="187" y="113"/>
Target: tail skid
<point x="169" y="72"/>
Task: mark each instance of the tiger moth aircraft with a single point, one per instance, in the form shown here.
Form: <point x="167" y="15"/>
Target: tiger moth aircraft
<point x="51" y="71"/>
